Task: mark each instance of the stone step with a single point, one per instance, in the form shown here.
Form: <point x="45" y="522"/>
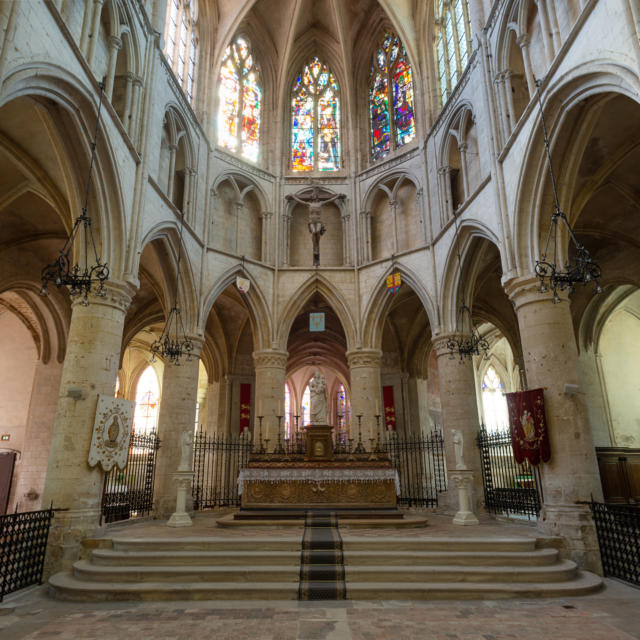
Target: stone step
<point x="537" y="557"/>
<point x="559" y="572"/>
<point x="110" y="557"/>
<point x="365" y="543"/>
<point x="583" y="584"/>
<point x="275" y="543"/>
<point x="86" y="571"/>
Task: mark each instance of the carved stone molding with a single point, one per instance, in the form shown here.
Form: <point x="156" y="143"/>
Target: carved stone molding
<point x="364" y="358"/>
<point x="270" y="359"/>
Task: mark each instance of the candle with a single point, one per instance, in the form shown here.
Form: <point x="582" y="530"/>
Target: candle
<point x="260" y="409"/>
<point x="279" y="408"/>
<point x="377" y="407"/>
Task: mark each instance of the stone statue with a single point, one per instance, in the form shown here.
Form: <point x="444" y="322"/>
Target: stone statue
<point x="318" y="392"/>
<point x="457" y="449"/>
<point x="316" y="226"/>
<point x="186" y="441"/>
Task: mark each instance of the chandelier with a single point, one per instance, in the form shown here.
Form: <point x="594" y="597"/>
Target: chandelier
<point x="549" y="272"/>
<point x="173" y="342"/>
<point x="472" y="343"/>
<point x="80" y="277"/>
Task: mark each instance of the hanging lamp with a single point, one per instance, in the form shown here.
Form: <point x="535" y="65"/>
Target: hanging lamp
<point x="81" y="277"/>
<point x="551" y="274"/>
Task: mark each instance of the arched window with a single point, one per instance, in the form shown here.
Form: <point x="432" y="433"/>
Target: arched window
<point x="453" y="43"/>
<point x="494" y="403"/>
<point x="181" y="42"/>
<point x="306" y="406"/>
<point x="287" y="411"/>
<point x="390" y="83"/>
<point x="343" y="413"/>
<point x="240" y="101"/>
<point x="315" y="120"/>
<point x="145" y="416"/>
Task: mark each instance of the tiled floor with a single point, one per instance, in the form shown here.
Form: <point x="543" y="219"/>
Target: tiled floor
<point x="612" y="614"/>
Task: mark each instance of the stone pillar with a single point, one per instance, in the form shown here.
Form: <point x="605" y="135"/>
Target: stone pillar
<point x="128" y="100"/>
<point x="571" y="477"/>
<point x="446" y="195"/>
<point x="95" y="30"/>
<point x="265" y="255"/>
<point x="364" y="369"/>
<point x="271" y="374"/>
<point x="508" y="90"/>
<point x="463" y="147"/>
<point x="523" y="41"/>
<point x="365" y="237"/>
<point x="37" y="438"/>
<point x="136" y="107"/>
<point x="286" y="238"/>
<point x="177" y="416"/>
<point x="502" y="101"/>
<point x="346" y="239"/>
<point x="90" y="368"/>
<point x="546" y="30"/>
<point x="114" y="46"/>
<point x="238" y="210"/>
<point x="173" y="149"/>
<point x="459" y="412"/>
<point x="393" y="205"/>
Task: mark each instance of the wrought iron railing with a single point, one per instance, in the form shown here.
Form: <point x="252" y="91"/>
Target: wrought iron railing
<point x="509" y="488"/>
<point x="128" y="493"/>
<point x="23" y="545"/>
<point x="217" y="461"/>
<point x="618" y="529"/>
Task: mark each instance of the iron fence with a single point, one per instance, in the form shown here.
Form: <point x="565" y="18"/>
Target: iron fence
<point x="128" y="493"/>
<point x="618" y="529"/>
<point x="217" y="461"/>
<point x="23" y="545"/>
<point x="509" y="488"/>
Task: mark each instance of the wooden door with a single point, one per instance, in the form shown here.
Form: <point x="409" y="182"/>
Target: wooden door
<point x="7" y="461"/>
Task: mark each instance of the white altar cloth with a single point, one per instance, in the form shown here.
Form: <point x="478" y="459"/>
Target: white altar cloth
<point x="318" y="475"/>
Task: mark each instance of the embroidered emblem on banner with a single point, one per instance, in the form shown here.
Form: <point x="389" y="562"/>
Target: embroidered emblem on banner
<point x="111" y="433"/>
<point x="394" y="282"/>
<point x="528" y="425"/>
<point x="316" y="322"/>
<point x="243" y="284"/>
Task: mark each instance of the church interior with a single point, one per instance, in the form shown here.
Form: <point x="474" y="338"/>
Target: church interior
<point x="320" y="300"/>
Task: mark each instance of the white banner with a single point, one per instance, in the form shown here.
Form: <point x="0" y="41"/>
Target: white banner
<point x="111" y="432"/>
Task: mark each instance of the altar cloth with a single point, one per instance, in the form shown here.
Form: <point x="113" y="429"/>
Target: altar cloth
<point x="318" y="476"/>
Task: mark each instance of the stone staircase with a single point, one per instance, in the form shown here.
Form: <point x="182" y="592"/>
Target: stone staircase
<point x="376" y="567"/>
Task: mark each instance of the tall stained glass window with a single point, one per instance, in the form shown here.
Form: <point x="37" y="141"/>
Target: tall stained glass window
<point x="181" y="42"/>
<point x="287" y="411"/>
<point x="391" y="108"/>
<point x="240" y="101"/>
<point x="145" y="416"/>
<point x="343" y="413"/>
<point x="452" y="42"/>
<point x="315" y="120"/>
<point x="493" y="401"/>
<point x="306" y="406"/>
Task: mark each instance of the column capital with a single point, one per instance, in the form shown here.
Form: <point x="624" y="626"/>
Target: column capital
<point x="525" y="290"/>
<point x="118" y="296"/>
<point x="266" y="214"/>
<point x="270" y="359"/>
<point x="114" y="42"/>
<point x="523" y="40"/>
<point x="364" y="358"/>
<point x="440" y="343"/>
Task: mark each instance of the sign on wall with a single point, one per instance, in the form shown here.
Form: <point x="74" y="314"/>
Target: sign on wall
<point x="316" y="322"/>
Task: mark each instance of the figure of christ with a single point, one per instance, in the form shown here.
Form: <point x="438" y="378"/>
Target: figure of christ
<point x="316" y="226"/>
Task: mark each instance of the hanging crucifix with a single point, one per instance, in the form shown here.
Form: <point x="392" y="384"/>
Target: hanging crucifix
<point x="316" y="226"/>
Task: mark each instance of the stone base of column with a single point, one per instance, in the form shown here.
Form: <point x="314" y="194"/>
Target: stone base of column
<point x="573" y="523"/>
<point x="69" y="529"/>
<point x="462" y="479"/>
<point x="180" y="518"/>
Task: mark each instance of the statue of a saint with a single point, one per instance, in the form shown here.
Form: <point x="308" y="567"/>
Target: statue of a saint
<point x="186" y="440"/>
<point x="318" y="393"/>
<point x="457" y="448"/>
<point x="316" y="226"/>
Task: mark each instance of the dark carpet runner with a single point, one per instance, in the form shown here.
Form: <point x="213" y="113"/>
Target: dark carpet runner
<point x="321" y="560"/>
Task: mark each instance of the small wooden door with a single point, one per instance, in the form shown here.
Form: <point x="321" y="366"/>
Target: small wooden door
<point x="7" y="460"/>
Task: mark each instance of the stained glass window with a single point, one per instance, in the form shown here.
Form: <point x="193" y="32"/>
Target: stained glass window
<point x="390" y="83"/>
<point x="240" y="101"/>
<point x="145" y="416"/>
<point x="315" y="119"/>
<point x="494" y="403"/>
<point x="452" y="42"/>
<point x="343" y="413"/>
<point x="287" y="411"/>
<point x="306" y="406"/>
<point x="181" y="42"/>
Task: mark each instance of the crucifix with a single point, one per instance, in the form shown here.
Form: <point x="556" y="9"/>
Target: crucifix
<point x="316" y="226"/>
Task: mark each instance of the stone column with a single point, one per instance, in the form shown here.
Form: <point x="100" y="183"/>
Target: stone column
<point x="177" y="416"/>
<point x="465" y="169"/>
<point x="90" y="368"/>
<point x="571" y="477"/>
<point x="286" y="238"/>
<point x="37" y="438"/>
<point x="95" y="30"/>
<point x="265" y="255"/>
<point x="508" y="90"/>
<point x="393" y="205"/>
<point x="502" y="101"/>
<point x="346" y="239"/>
<point x="364" y="369"/>
<point x="271" y="374"/>
<point x="136" y="107"/>
<point x="523" y="41"/>
<point x="365" y="236"/>
<point x="128" y="100"/>
<point x="238" y="210"/>
<point x="173" y="149"/>
<point x="114" y="46"/>
<point x="446" y="194"/>
<point x="459" y="412"/>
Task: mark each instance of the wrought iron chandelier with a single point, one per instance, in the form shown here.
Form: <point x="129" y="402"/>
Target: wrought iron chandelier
<point x="81" y="277"/>
<point x="472" y="344"/>
<point x="552" y="275"/>
<point x="173" y="343"/>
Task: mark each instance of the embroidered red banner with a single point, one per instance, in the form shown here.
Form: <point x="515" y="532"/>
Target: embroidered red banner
<point x="245" y="406"/>
<point x="528" y="425"/>
<point x="389" y="408"/>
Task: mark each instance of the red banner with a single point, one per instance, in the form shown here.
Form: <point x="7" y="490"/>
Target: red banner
<point x="389" y="408"/>
<point x="528" y="425"/>
<point x="245" y="406"/>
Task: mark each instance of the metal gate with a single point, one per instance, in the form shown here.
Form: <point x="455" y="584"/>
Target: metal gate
<point x="128" y="493"/>
<point x="509" y="487"/>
